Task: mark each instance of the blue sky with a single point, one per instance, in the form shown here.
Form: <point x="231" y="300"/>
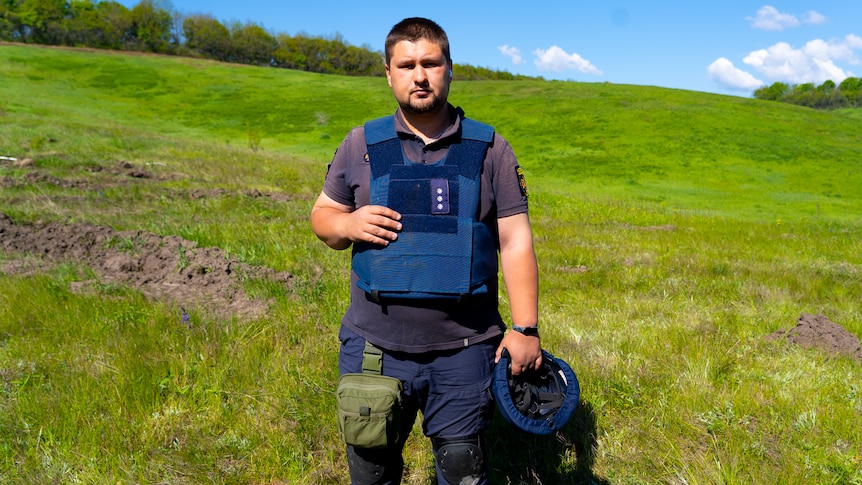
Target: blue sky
<point x="727" y="47"/>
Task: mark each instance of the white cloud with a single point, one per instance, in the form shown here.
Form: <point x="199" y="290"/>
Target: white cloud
<point x="769" y="18"/>
<point x="726" y="74"/>
<point x="556" y="59"/>
<point x="813" y="63"/>
<point x="512" y="53"/>
<point x="839" y="50"/>
<point x="814" y="18"/>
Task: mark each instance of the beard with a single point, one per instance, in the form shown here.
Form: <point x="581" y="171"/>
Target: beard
<point x="430" y="104"/>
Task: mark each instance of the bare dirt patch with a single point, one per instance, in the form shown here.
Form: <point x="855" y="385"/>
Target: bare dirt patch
<point x="817" y="331"/>
<point x="160" y="267"/>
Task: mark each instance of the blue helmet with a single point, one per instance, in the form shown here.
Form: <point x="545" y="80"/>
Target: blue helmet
<point x="539" y="402"/>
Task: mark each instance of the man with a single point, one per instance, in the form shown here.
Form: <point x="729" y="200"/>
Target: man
<point x="438" y="337"/>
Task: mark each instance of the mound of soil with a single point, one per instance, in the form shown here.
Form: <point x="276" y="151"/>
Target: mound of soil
<point x="160" y="267"/>
<point x="816" y="331"/>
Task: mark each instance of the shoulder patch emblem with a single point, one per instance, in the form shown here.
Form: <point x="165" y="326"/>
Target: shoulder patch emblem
<point x="522" y="181"/>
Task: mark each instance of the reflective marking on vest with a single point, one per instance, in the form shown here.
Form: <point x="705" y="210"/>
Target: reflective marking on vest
<point x="443" y="251"/>
<point x="439" y="197"/>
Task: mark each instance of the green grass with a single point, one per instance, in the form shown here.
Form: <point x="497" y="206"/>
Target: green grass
<point x="674" y="231"/>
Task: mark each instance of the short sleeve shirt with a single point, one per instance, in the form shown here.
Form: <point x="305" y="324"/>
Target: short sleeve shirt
<point x="427" y="325"/>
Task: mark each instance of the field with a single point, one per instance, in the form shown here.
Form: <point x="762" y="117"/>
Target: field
<point x="167" y="315"/>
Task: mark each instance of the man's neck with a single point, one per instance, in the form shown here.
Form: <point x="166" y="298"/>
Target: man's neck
<point x="428" y="126"/>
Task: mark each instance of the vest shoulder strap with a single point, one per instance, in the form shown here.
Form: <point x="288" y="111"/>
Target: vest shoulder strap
<point x="380" y="130"/>
<point x="475" y="130"/>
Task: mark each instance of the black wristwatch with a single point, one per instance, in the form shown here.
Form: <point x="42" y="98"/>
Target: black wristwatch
<point x="529" y="331"/>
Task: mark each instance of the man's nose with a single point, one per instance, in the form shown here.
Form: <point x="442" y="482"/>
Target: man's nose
<point x="419" y="75"/>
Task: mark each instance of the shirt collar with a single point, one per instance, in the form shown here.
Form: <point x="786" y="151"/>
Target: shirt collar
<point x="455" y="116"/>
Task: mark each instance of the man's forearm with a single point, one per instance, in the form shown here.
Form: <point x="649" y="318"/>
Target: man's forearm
<point x="521" y="277"/>
<point x="326" y="223"/>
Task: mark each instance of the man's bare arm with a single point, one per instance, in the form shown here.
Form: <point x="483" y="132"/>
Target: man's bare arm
<point x="521" y="277"/>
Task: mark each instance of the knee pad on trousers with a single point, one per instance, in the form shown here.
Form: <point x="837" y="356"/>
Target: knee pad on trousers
<point x="460" y="460"/>
<point x="374" y="466"/>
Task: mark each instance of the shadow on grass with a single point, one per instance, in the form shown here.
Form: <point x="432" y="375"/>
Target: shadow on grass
<point x="565" y="457"/>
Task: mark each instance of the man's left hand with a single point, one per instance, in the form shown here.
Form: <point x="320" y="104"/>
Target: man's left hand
<point x="525" y="352"/>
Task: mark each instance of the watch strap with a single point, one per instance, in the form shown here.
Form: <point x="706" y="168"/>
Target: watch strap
<point x="530" y="331"/>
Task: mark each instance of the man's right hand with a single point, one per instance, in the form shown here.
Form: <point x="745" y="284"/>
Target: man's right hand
<point x="373" y="224"/>
<point x="339" y="225"/>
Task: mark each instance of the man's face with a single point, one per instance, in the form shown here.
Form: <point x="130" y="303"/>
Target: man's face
<point x="418" y="74"/>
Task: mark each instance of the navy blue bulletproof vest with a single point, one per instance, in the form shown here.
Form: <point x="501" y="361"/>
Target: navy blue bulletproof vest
<point x="443" y="250"/>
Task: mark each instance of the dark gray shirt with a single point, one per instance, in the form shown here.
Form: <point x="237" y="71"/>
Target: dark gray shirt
<point x="426" y="325"/>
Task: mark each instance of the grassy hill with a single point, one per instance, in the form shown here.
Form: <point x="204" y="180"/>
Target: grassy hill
<point x="675" y="231"/>
<point x="688" y="150"/>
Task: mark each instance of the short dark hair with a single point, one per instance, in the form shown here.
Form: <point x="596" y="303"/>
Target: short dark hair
<point x="415" y="29"/>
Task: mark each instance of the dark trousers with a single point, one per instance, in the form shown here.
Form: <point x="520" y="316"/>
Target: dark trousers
<point x="450" y="388"/>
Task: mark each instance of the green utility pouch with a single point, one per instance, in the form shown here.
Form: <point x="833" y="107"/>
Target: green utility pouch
<point x="369" y="404"/>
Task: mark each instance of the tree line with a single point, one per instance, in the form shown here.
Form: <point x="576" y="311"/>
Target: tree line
<point x="153" y="26"/>
<point x="828" y="95"/>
